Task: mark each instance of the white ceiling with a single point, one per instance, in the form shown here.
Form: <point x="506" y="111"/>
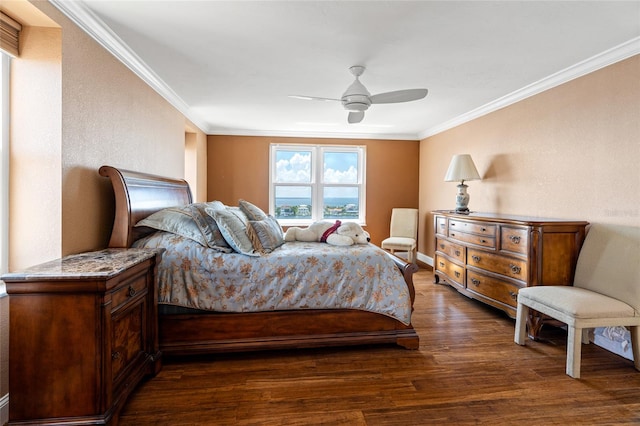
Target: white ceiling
<point x="229" y="66"/>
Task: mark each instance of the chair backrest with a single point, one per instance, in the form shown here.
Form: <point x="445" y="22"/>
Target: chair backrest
<point x="404" y="223"/>
<point x="609" y="263"/>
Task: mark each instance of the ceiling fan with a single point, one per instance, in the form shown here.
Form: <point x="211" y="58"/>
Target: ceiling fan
<point x="357" y="99"/>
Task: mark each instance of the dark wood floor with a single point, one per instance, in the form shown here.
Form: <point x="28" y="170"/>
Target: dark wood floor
<point x="467" y="371"/>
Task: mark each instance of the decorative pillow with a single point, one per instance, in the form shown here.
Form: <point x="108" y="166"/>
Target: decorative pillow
<point x="209" y="228"/>
<point x="233" y="230"/>
<point x="265" y="235"/>
<point x="239" y="214"/>
<point x="252" y="211"/>
<point x="176" y="220"/>
<point x="214" y="205"/>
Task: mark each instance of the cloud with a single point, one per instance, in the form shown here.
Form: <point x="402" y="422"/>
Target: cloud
<point x="341" y="176"/>
<point x="296" y="169"/>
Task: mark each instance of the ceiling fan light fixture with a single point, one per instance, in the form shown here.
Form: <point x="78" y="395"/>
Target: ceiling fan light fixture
<point x="357" y="99"/>
<point x="356" y="103"/>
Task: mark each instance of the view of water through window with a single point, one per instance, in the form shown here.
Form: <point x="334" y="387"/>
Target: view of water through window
<point x="313" y="183"/>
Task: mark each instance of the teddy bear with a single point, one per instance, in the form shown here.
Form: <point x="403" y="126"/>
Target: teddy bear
<point x="337" y="234"/>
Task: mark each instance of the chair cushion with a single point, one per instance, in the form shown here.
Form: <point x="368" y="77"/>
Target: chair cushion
<point x="402" y="242"/>
<point x="576" y="302"/>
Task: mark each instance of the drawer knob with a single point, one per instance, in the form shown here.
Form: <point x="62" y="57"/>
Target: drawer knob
<point x="513" y="295"/>
<point x="476" y="258"/>
<point x="115" y="355"/>
<point x="132" y="291"/>
<point x="515" y="239"/>
<point x="457" y="274"/>
<point x="515" y="269"/>
<point x="483" y="229"/>
<point x="475" y="281"/>
<point x="457" y="252"/>
<point x="442" y="246"/>
<point x="442" y="264"/>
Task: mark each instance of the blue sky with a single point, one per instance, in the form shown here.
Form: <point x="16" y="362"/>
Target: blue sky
<point x="295" y="167"/>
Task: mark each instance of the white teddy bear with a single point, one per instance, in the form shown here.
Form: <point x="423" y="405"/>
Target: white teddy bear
<point x="337" y="234"/>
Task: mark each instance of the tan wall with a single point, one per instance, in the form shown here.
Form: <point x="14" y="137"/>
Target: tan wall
<point x="106" y="115"/>
<point x="238" y="167"/>
<point x="570" y="152"/>
<point x="35" y="204"/>
<point x="195" y="162"/>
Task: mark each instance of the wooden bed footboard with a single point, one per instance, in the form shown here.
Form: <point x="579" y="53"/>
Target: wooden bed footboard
<point x="137" y="195"/>
<point x="222" y="332"/>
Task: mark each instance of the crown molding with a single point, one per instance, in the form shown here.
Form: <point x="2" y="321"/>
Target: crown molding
<point x="84" y="18"/>
<point x="616" y="54"/>
<point x="325" y="135"/>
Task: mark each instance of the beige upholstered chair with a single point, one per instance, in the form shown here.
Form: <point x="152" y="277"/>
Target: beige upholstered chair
<point x="403" y="233"/>
<point x="606" y="292"/>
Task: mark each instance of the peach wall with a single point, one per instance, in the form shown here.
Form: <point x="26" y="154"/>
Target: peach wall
<point x="195" y="162"/>
<point x="106" y="115"/>
<point x="238" y="167"/>
<point x="35" y="203"/>
<point x="570" y="152"/>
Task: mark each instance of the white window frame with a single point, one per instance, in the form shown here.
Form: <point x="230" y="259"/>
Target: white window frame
<point x="316" y="182"/>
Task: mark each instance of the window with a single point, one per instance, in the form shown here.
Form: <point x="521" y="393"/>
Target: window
<point x="308" y="183"/>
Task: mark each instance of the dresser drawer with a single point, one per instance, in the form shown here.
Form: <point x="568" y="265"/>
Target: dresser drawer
<point x="479" y="228"/>
<point x="515" y="240"/>
<point x="453" y="250"/>
<point x="441" y="225"/>
<point x="508" y="266"/>
<point x="493" y="288"/>
<point x="479" y="240"/>
<point x="131" y="290"/>
<point x="450" y="269"/>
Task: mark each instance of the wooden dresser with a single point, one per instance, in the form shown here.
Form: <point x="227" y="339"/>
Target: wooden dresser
<point x="489" y="257"/>
<point x="82" y="334"/>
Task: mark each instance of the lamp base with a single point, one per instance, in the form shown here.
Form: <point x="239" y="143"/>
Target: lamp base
<point x="462" y="199"/>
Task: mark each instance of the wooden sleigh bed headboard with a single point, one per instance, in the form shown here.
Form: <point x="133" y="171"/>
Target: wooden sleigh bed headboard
<point x="137" y="196"/>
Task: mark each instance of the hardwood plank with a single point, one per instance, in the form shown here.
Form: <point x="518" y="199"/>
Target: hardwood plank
<point x="467" y="370"/>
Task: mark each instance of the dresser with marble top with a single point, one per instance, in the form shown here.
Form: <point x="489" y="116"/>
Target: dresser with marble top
<point x="82" y="335"/>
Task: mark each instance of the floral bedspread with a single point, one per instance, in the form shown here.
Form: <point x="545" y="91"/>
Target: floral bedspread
<point x="297" y="275"/>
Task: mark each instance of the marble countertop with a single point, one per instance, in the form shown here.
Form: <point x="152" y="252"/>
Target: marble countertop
<point x="98" y="264"/>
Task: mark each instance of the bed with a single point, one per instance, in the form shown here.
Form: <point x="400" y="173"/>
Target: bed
<point x="192" y="330"/>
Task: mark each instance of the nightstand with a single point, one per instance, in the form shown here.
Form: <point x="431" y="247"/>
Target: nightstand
<point x="82" y="334"/>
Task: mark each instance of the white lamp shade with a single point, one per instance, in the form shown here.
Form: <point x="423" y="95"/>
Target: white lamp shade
<point x="461" y="169"/>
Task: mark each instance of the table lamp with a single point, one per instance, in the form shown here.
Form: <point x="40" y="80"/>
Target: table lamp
<point x="461" y="169"/>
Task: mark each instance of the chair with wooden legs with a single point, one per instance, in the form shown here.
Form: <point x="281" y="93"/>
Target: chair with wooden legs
<point x="605" y="292"/>
<point x="403" y="233"/>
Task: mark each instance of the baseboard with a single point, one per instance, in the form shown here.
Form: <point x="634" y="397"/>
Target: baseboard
<point x="425" y="259"/>
<point x="420" y="257"/>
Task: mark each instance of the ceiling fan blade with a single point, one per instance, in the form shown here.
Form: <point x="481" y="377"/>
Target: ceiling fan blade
<point x="399" y="96"/>
<point x="312" y="98"/>
<point x="355" y="117"/>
